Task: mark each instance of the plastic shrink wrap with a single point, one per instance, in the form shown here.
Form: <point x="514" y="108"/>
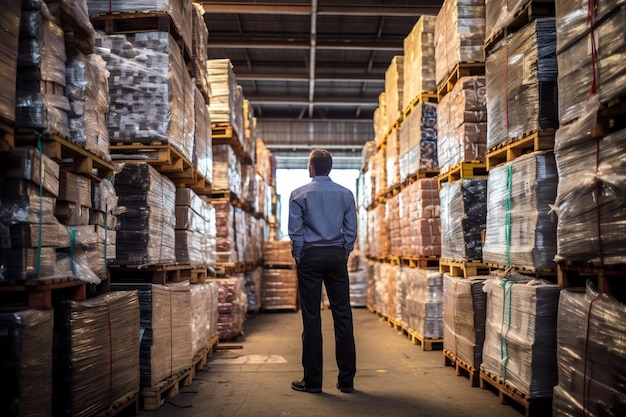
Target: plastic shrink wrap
<point x="419" y="62"/>
<point x="226" y="105"/>
<point x="521" y="228"/>
<point x="462" y="123"/>
<point x="418" y="220"/>
<point x="590" y="343"/>
<point x="419" y="301"/>
<point x="464" y="311"/>
<point x="232" y="306"/>
<point x="417" y="138"/>
<point x="9" y="40"/>
<point x="577" y="62"/>
<point x="26" y="364"/>
<point x="591" y="226"/>
<point x="521" y="77"/>
<point x="96" y="353"/>
<point x="147" y="218"/>
<point x="520" y="334"/>
<point x="463" y="218"/>
<point x="459" y="35"/>
<point x="150" y="90"/>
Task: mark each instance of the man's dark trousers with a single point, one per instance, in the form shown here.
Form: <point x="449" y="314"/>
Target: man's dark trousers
<point x="327" y="265"/>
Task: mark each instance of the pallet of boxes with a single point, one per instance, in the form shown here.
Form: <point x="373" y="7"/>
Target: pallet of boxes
<point x="519" y="351"/>
<point x="159" y="131"/>
<point x="403" y="227"/>
<point x="279" y="283"/>
<point x="591" y="265"/>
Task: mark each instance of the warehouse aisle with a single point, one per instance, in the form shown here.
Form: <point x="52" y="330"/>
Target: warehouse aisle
<point x="251" y="377"/>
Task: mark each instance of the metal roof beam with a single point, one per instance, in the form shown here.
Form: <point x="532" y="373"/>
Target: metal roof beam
<point x="334" y="44"/>
<point x="303" y="101"/>
<point x="344" y="78"/>
<point x="426" y="8"/>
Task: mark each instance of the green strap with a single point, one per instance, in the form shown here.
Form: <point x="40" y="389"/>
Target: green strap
<point x="507" y="288"/>
<point x="508" y="205"/>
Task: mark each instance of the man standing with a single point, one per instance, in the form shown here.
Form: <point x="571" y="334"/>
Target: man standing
<point x="322" y="227"/>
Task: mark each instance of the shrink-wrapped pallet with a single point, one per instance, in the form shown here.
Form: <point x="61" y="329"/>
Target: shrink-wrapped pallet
<point x="419" y="296"/>
<point x="521" y="80"/>
<point x="462" y="123"/>
<point x="520" y="334"/>
<point x="586" y="67"/>
<point x="88" y="94"/>
<point x="26" y="365"/>
<point x="165" y="335"/>
<point x="378" y="233"/>
<point x="463" y="217"/>
<point x="226" y="105"/>
<point x="232" y="306"/>
<point x="521" y="228"/>
<point x="226" y="170"/>
<point x="202" y="142"/>
<point x="40" y="100"/>
<point x="392" y="217"/>
<point x="230" y="231"/>
<point x="459" y="35"/>
<point x="203" y="308"/>
<point x="96" y="353"/>
<point x="464" y="316"/>
<point x="590" y="348"/>
<point x="419" y="60"/>
<point x="394" y="90"/>
<point x="195" y="235"/>
<point x="418" y="140"/>
<point x="179" y="11"/>
<point x="200" y="38"/>
<point x="28" y="163"/>
<point x="9" y="41"/>
<point x="252" y="285"/>
<point x="591" y="225"/>
<point x="279" y="288"/>
<point x="386" y="286"/>
<point x="147" y="218"/>
<point x="277" y="252"/>
<point x="150" y="90"/>
<point x="420" y="225"/>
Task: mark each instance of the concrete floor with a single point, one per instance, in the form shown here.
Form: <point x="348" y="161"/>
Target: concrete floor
<point x="395" y="378"/>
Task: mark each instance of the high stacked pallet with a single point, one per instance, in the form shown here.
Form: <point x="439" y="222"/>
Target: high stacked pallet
<point x="420" y="225"/>
<point x="9" y="34"/>
<point x="195" y="229"/>
<point x="420" y="296"/>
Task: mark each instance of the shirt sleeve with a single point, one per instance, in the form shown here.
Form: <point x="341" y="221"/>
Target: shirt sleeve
<point x="349" y="224"/>
<point x="295" y="228"/>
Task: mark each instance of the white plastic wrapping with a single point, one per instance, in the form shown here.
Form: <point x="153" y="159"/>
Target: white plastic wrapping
<point x="419" y="60"/>
<point x="419" y="301"/>
<point x="521" y="79"/>
<point x="521" y="229"/>
<point x="463" y="216"/>
<point x="418" y="137"/>
<point x="590" y="355"/>
<point x="591" y="225"/>
<point x="520" y="334"/>
<point x="464" y="316"/>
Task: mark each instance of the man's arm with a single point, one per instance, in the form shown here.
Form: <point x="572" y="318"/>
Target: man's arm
<point x="295" y="228"/>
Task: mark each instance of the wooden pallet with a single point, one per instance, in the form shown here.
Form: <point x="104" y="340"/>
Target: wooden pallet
<point x="425" y="97"/>
<point x="548" y="273"/>
<point x="224" y="134"/>
<point x="473" y="169"/>
<point x="462" y="268"/>
<point x="195" y="275"/>
<point x="509" y="394"/>
<point x="164" y="157"/>
<point x="462" y="368"/>
<point x="279" y="265"/>
<point x="154" y="274"/>
<point x="529" y="11"/>
<point x="420" y="175"/>
<point x="427" y="343"/>
<point x="129" y="405"/>
<point x="62" y="150"/>
<point x="538" y="140"/>
<point x="40" y="293"/>
<point x="461" y="69"/>
<point x="422" y="262"/>
<point x="154" y="397"/>
<point x="201" y="358"/>
<point x="225" y="269"/>
<point x="138" y="21"/>
<point x="610" y="280"/>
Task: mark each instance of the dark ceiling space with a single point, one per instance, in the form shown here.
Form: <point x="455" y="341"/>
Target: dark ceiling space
<point x="303" y="63"/>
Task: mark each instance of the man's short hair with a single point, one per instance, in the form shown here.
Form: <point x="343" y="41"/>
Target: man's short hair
<point x="321" y="160"/>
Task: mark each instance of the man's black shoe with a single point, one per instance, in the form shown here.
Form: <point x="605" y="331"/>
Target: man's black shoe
<point x="301" y="386"/>
<point x="347" y="390"/>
